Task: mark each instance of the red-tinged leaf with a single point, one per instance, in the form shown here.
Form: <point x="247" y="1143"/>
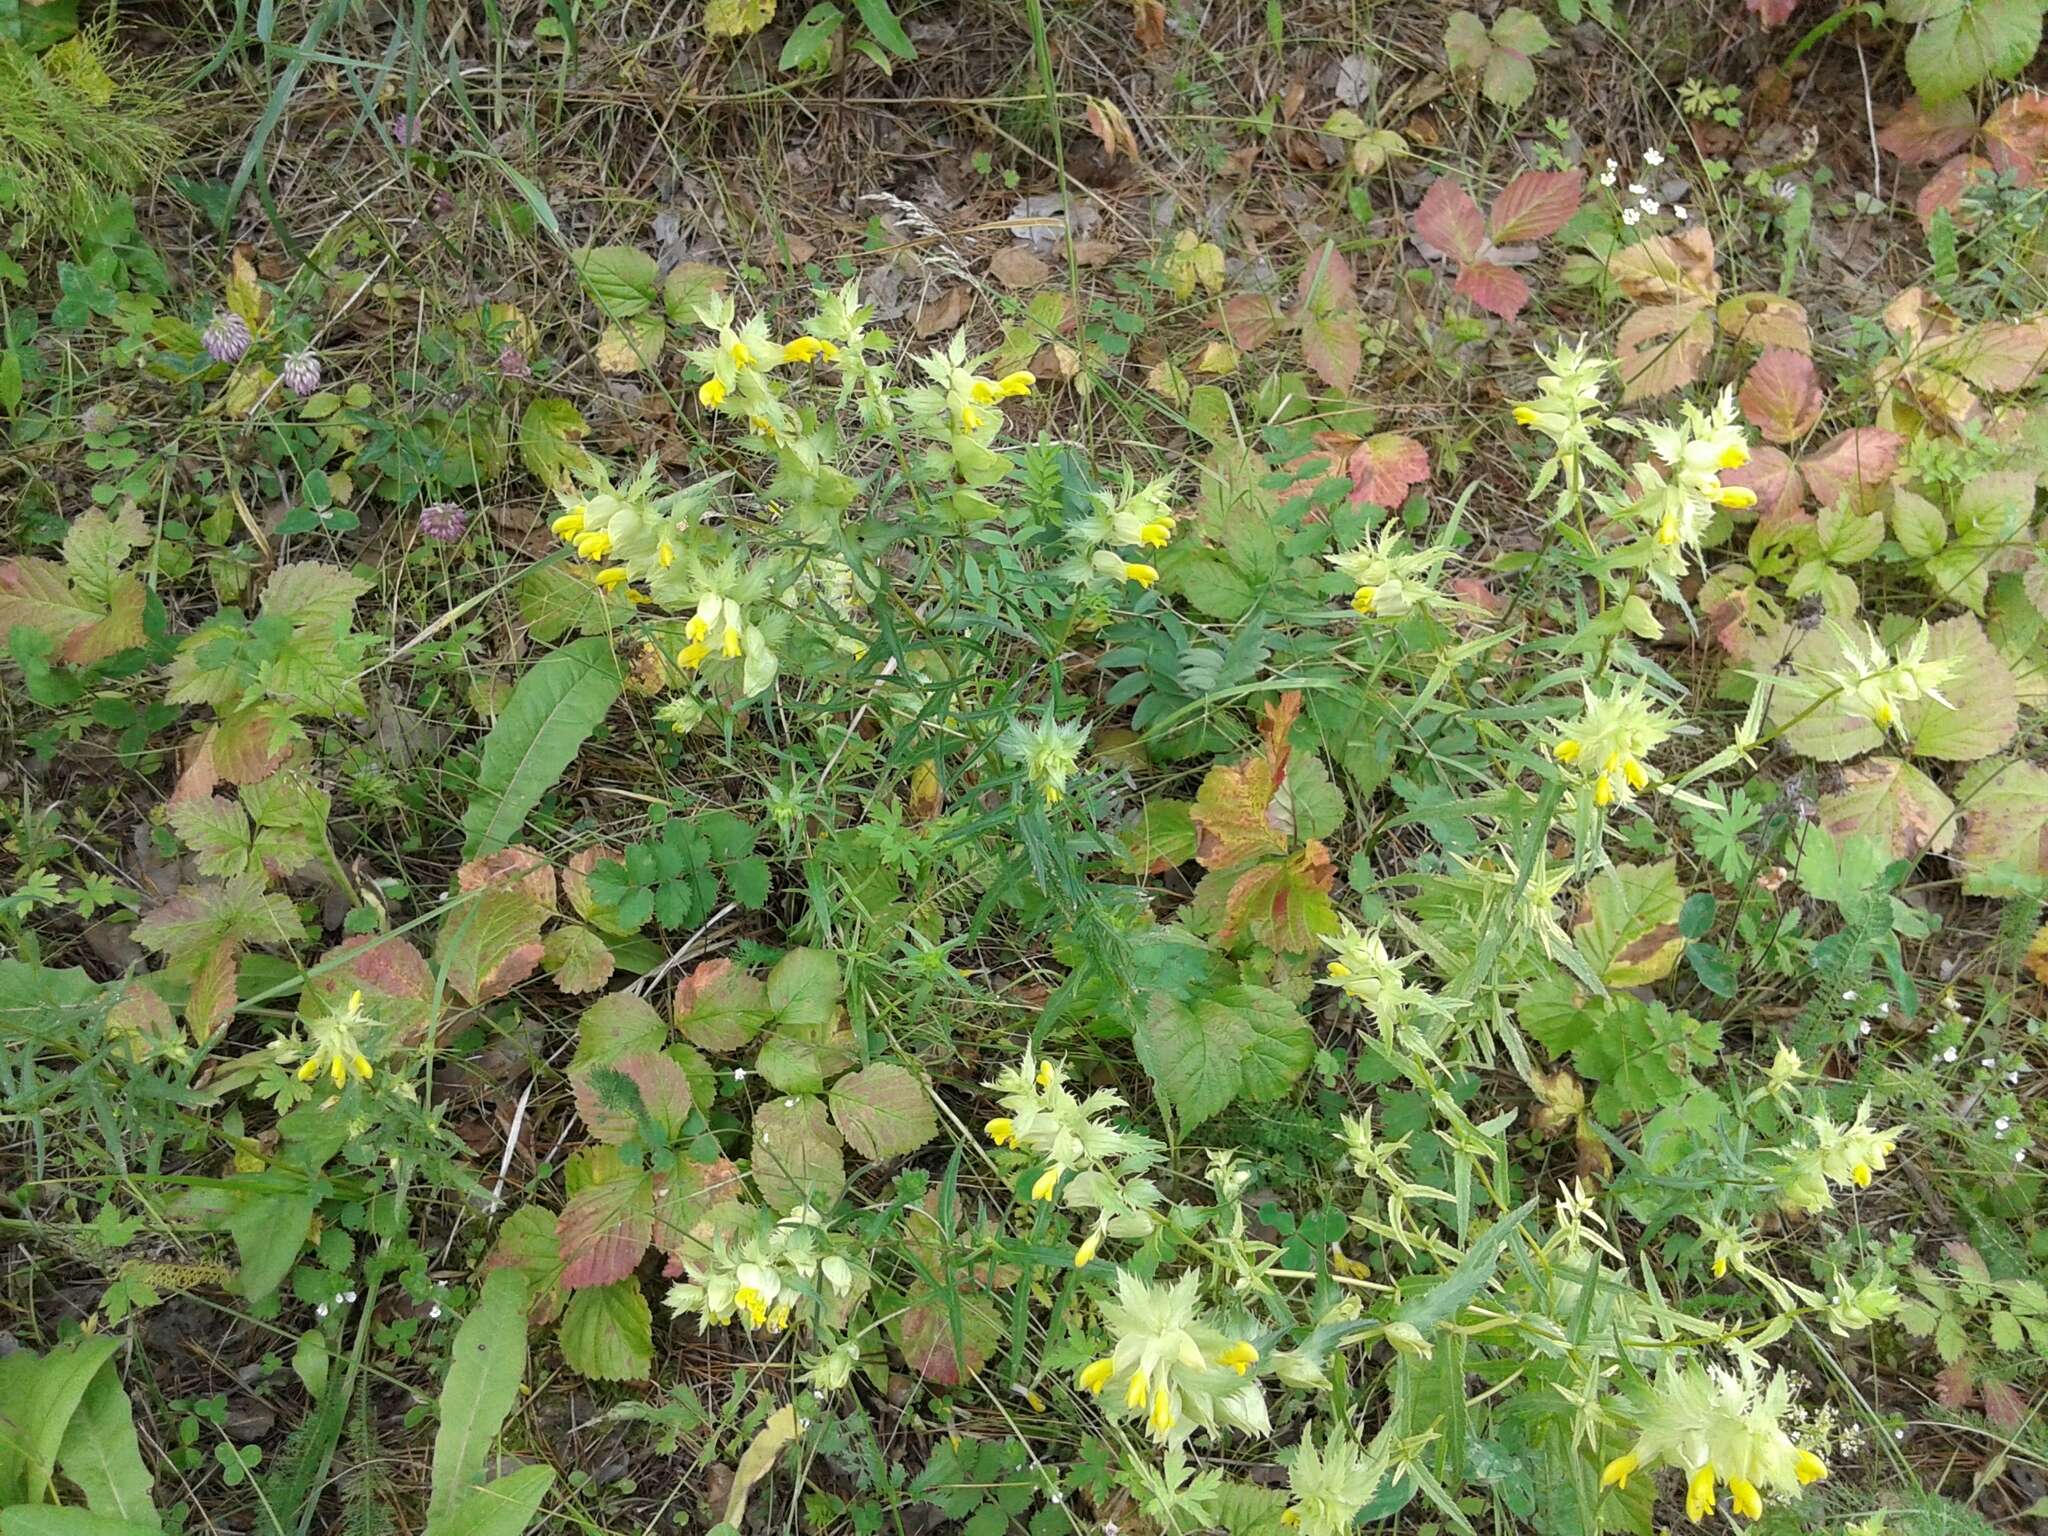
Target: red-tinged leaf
<point x="576" y="879"/>
<point x="664" y="1094"/>
<point x="719" y="1007"/>
<point x="1772" y="13"/>
<point x="1669" y="269"/>
<point x="1247" y="320"/>
<point x="1782" y="396"/>
<point x="684" y="1205"/>
<point x="1238" y="814"/>
<point x="393" y="977"/>
<point x="1493" y="288"/>
<point x="944" y="1337"/>
<point x="210" y="1003"/>
<point x="604" y="1229"/>
<point x="252" y="743"/>
<point x="2002" y="357"/>
<point x="1920" y="134"/>
<point x="2016" y="136"/>
<point x="527" y="867"/>
<point x="1945" y="188"/>
<point x="1326" y="280"/>
<point x="118" y="629"/>
<point x="1534" y="206"/>
<point x="1449" y="223"/>
<point x="1384" y="467"/>
<point x="1765" y="320"/>
<point x="2004" y="1406"/>
<point x="1284" y="903"/>
<point x="34" y="594"/>
<point x="1851" y="464"/>
<point x="1327" y="313"/>
<point x="1780" y="488"/>
<point x="1661" y="348"/>
<point x="1953" y="1387"/>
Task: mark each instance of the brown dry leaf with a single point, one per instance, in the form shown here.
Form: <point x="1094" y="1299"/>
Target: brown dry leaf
<point x="1669" y="269"/>
<point x="778" y="1430"/>
<point x="1112" y="129"/>
<point x="1016" y="268"/>
<point x="1094" y="253"/>
<point x="1765" y="320"/>
<point x="1148" y="23"/>
<point x="1661" y="348"/>
<point x="926" y="798"/>
<point x="942" y="313"/>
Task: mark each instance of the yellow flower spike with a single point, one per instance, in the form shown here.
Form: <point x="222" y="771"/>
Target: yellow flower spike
<point x="1143" y="575"/>
<point x="1054" y="794"/>
<point x="711" y="393"/>
<point x="1566" y="751"/>
<point x="355" y="1001"/>
<point x="613" y="576"/>
<point x="1045" y="1074"/>
<point x="1095" y="1376"/>
<point x="568" y="525"/>
<point x="970" y="419"/>
<point x="1047" y="1182"/>
<point x="1667" y="531"/>
<point x="362" y="1066"/>
<point x="763" y="426"/>
<point x="1633" y="772"/>
<point x="1138" y="1391"/>
<point x="1720" y="1269"/>
<point x="665" y="554"/>
<point x="1011" y="385"/>
<point x="1240" y="1357"/>
<point x="732" y="646"/>
<point x="1618" y="1471"/>
<point x="1002" y="1131"/>
<point x="982" y="392"/>
<point x="1747" y="1501"/>
<point x="742" y="356"/>
<point x="1736" y="497"/>
<point x="1088" y="1249"/>
<point x="1699" y="1493"/>
<point x="691" y="656"/>
<point x="1808" y="1468"/>
<point x="1603" y="792"/>
<point x="310" y="1069"/>
<point x="1525" y="416"/>
<point x="1734" y="456"/>
<point x="1882" y="715"/>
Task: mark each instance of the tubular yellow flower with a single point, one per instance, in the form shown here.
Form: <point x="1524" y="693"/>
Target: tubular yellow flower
<point x="1002" y="1131"/>
<point x="1699" y="1493"/>
<point x="594" y="546"/>
<point x="1162" y="1413"/>
<point x="711" y="393"/>
<point x="362" y="1065"/>
<point x="1138" y="1391"/>
<point x="1156" y="534"/>
<point x="1566" y="751"/>
<point x="697" y="628"/>
<point x="732" y="646"/>
<point x="1603" y="792"/>
<point x="1525" y="416"/>
<point x="1095" y="1376"/>
<point x="970" y="419"/>
<point x="1747" y="1501"/>
<point x="1736" y="497"/>
<point x="569" y="524"/>
<point x="1734" y="456"/>
<point x="1336" y="970"/>
<point x="1618" y="1471"/>
<point x="691" y="656"/>
<point x="1047" y="1182"/>
<point x="804" y="349"/>
<point x="1364" y="599"/>
<point x="1045" y="1073"/>
<point x="1240" y="1357"/>
<point x="665" y="554"/>
<point x="1088" y="1249"/>
<point x="1011" y="385"/>
<point x="1809" y="1468"/>
<point x="981" y="392"/>
<point x="613" y="576"/>
<point x="309" y="1069"/>
<point x="742" y="356"/>
<point x="1143" y="575"/>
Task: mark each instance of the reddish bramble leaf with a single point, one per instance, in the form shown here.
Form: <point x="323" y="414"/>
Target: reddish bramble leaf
<point x="1534" y="206"/>
<point x="1782" y="397"/>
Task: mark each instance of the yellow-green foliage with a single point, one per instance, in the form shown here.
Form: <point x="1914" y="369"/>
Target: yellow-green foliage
<point x="74" y="132"/>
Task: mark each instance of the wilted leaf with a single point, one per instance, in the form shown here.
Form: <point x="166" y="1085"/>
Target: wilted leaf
<point x="1851" y="464"/>
<point x="1661" y="348"/>
<point x="1669" y="269"/>
<point x="1921" y="135"/>
<point x="1449" y="223"/>
<point x="1327" y="312"/>
<point x="2004" y="846"/>
<point x="1627" y="926"/>
<point x="631" y="344"/>
<point x="737" y="18"/>
<point x="1235" y="815"/>
<point x="604" y="1229"/>
<point x="1891" y="801"/>
<point x="797" y="1154"/>
<point x="1782" y="397"/>
<point x="719" y="1007"/>
<point x="550" y="434"/>
<point x="1015" y="267"/>
<point x="577" y="959"/>
<point x="1493" y="288"/>
<point x="2016" y="135"/>
<point x="1986" y="713"/>
<point x="1765" y="320"/>
<point x="1384" y="467"/>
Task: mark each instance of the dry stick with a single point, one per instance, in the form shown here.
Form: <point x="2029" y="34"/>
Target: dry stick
<point x="1870" y="120"/>
<point x="511" y="1141"/>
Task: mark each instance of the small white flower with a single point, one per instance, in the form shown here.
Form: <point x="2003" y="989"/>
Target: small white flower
<point x="1987" y="1062"/>
<point x="321" y="1310"/>
<point x="1849" y="996"/>
<point x="1613" y="164"/>
<point x="1863" y="1028"/>
<point x="349" y="1297"/>
<point x="1883" y="1009"/>
<point x="1629" y="216"/>
<point x="739" y="1074"/>
<point x="1951" y="1005"/>
<point x="1607" y="179"/>
<point x="2012" y="1077"/>
<point x="1637" y="189"/>
<point x="2019" y="1154"/>
<point x="1653" y="157"/>
<point x="2003" y="1122"/>
<point x="1947" y="1055"/>
<point x="1650" y="205"/>
<point x="1678" y="211"/>
<point x="434" y="1311"/>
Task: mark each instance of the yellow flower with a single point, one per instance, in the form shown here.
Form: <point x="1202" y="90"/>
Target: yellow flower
<point x="665" y="554"/>
<point x="1010" y="385"/>
<point x="1045" y="1074"/>
<point x="612" y="576"/>
<point x="1525" y="416"/>
<point x="1088" y="1249"/>
<point x="1667" y="530"/>
<point x="1566" y="751"/>
<point x="805" y="349"/>
<point x="594" y="546"/>
<point x="1162" y="1413"/>
<point x="1736" y="497"/>
<point x="755" y="1304"/>
<point x="1240" y="1357"/>
<point x="1047" y="1183"/>
<point x="1002" y="1131"/>
<point x="1095" y="1377"/>
<point x="982" y="392"/>
<point x="1290" y="1517"/>
<point x="697" y="629"/>
<point x="741" y="356"/>
<point x="1617" y="1472"/>
<point x="970" y="419"/>
<point x="1363" y="599"/>
<point x="1603" y="791"/>
<point x="762" y="425"/>
<point x="1699" y="1493"/>
<point x="1336" y="970"/>
<point x="711" y="393"/>
<point x="731" y="647"/>
<point x="1747" y="1501"/>
<point x="1137" y="1390"/>
<point x="1156" y="534"/>
<point x="569" y="524"/>
<point x="1734" y="456"/>
<point x="1809" y="1468"/>
<point x="691" y="656"/>
<point x="1143" y="575"/>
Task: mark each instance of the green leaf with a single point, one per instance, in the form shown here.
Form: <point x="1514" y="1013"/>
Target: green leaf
<point x="10" y="381"/>
<point x="577" y="958"/>
<point x="39" y="1394"/>
<point x="490" y="942"/>
<point x="100" y="1453"/>
<point x="796" y="1158"/>
<point x="1628" y="926"/>
<point x="1642" y="1054"/>
<point x="607" y="1332"/>
<point x="503" y="1507"/>
<point x="2004" y="847"/>
<point x="1982" y="713"/>
<point x="1244" y="1042"/>
<point x="1474" y="1273"/>
<point x="882" y="24"/>
<point x="48" y="1520"/>
<point x="883" y="1111"/>
<point x="622" y="281"/>
<point x="1980" y="40"/>
<point x="804" y="989"/>
<point x="737" y="18"/>
<point x="551" y="713"/>
<point x="269" y="1230"/>
<point x="485" y="1365"/>
<point x="1917" y="524"/>
<point x="550" y="445"/>
<point x="810" y="41"/>
<point x="720" y="1007"/>
<point x="526" y="1243"/>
